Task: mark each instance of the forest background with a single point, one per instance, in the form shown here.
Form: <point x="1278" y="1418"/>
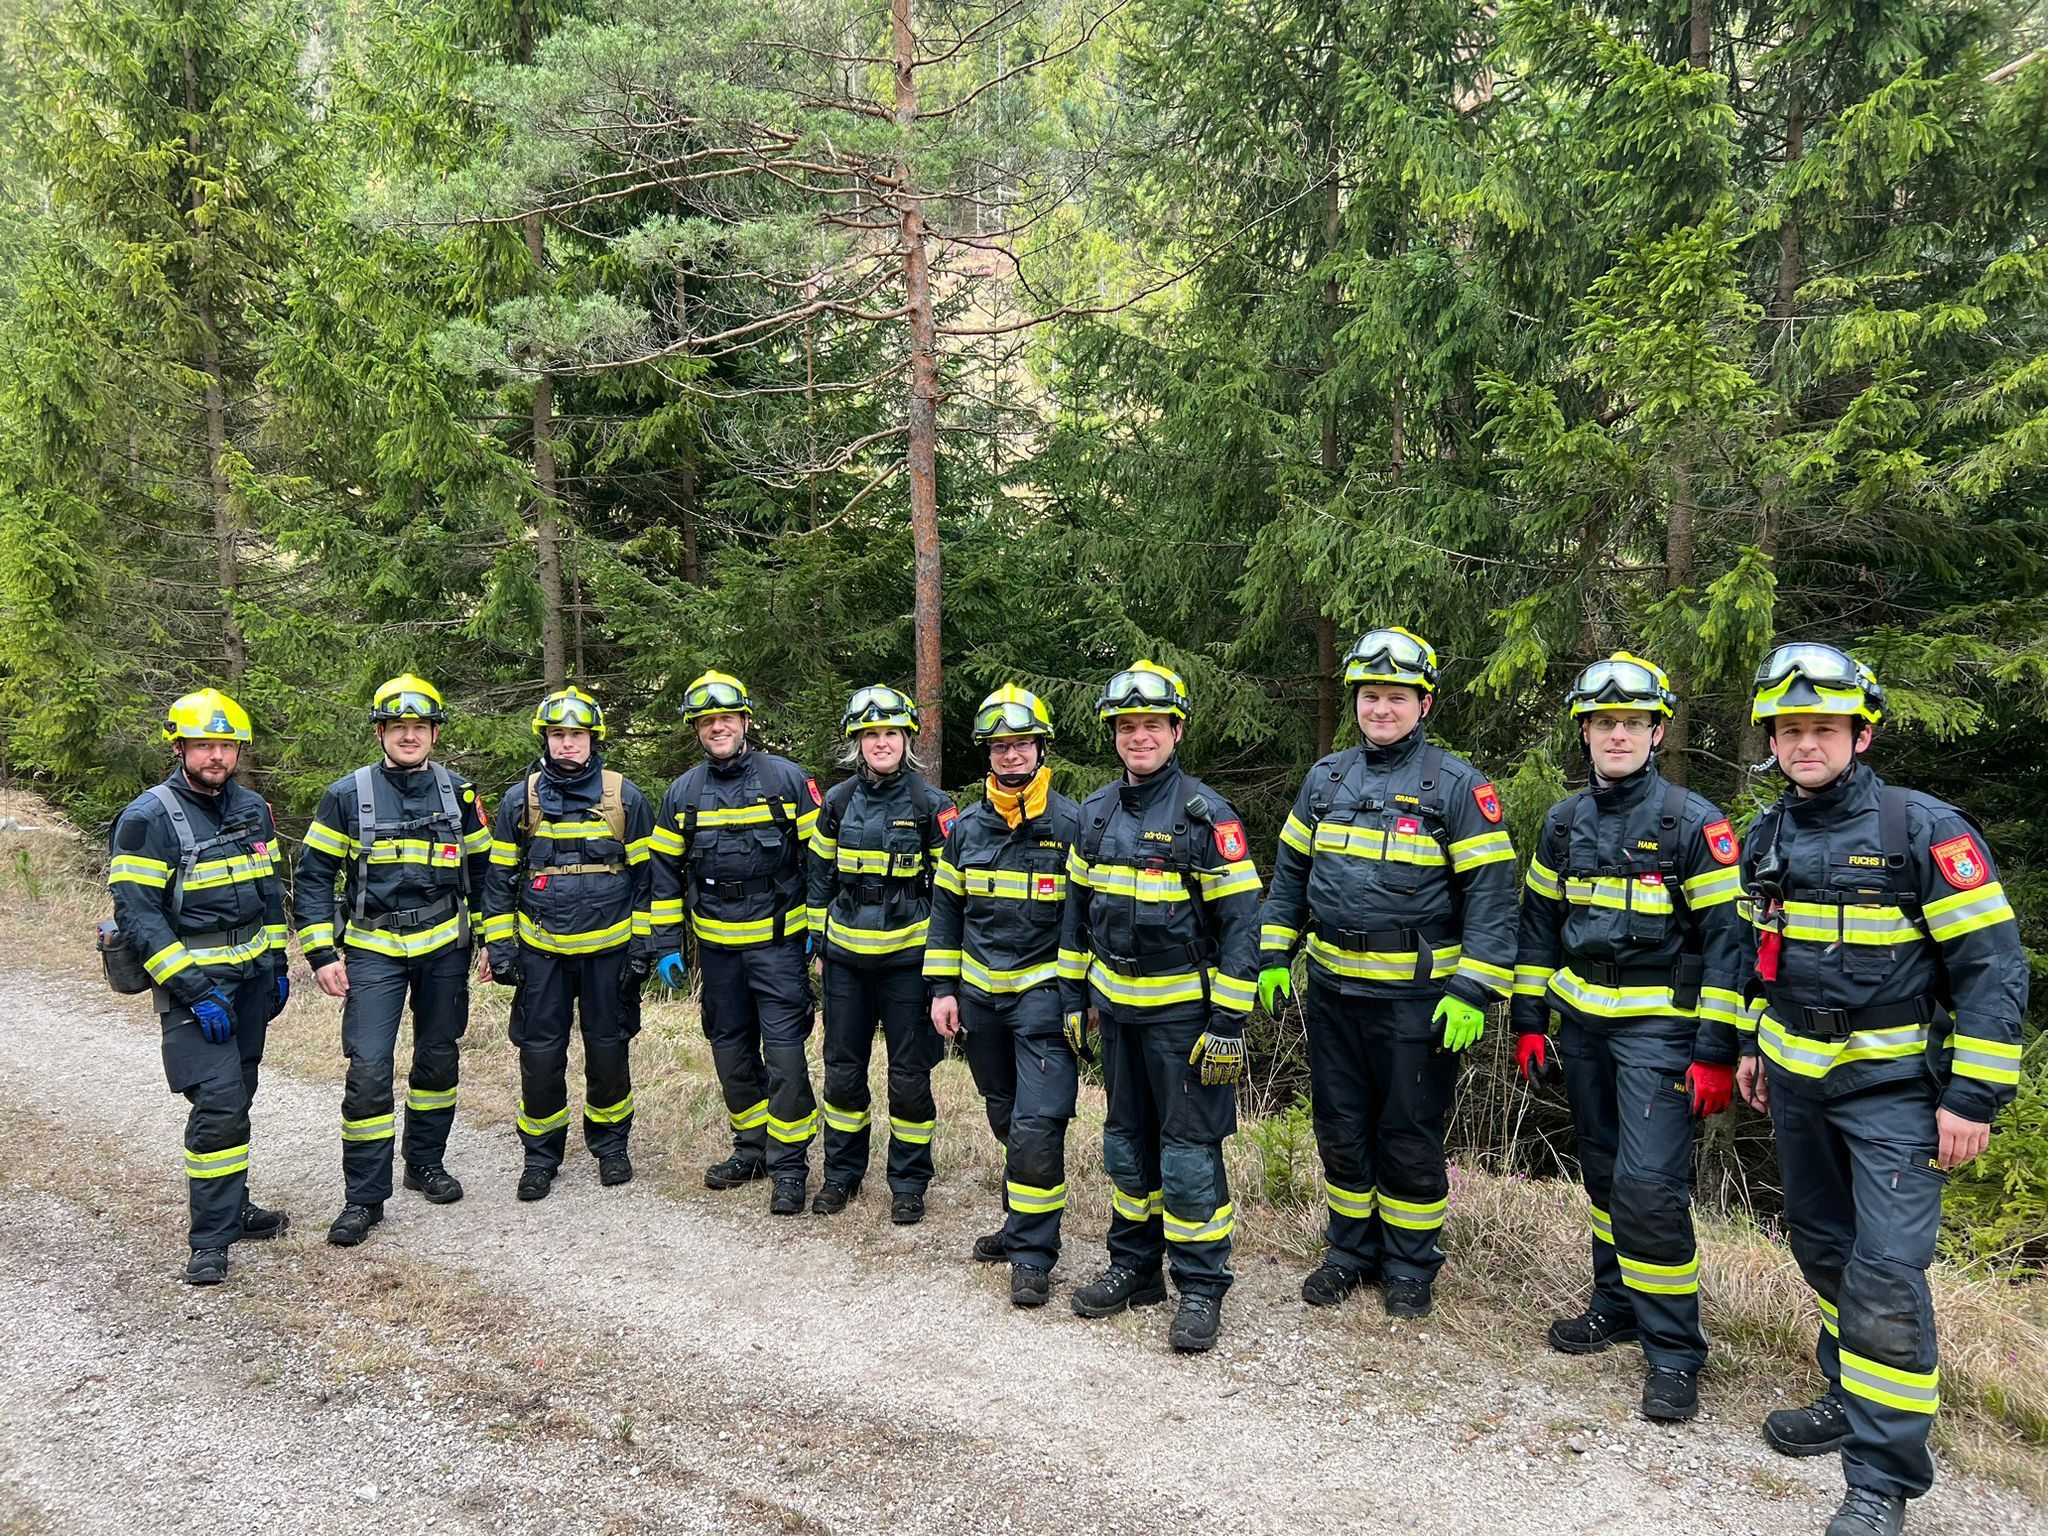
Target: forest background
<point x="955" y="342"/>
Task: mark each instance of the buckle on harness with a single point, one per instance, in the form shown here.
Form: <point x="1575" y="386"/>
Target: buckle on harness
<point x="1828" y="1023"/>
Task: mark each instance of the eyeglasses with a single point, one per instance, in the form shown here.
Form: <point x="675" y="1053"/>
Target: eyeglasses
<point x="1633" y="725"/>
<point x="1822" y="664"/>
<point x="1007" y="716"/>
<point x="1003" y="745"/>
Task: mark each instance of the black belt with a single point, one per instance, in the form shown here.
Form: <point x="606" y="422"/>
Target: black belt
<point x="877" y="890"/>
<point x="1174" y="961"/>
<point x="1841" y="1023"/>
<point x="1605" y="973"/>
<point x="757" y="886"/>
<point x="1396" y="939"/>
<point x="221" y="938"/>
<point x="410" y="918"/>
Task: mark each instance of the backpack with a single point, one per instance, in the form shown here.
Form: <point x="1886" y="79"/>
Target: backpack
<point x="611" y="807"/>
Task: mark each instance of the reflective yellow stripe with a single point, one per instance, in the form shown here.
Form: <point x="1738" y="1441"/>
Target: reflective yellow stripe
<point x="370" y="1128"/>
<point x="1495" y="978"/>
<point x="478" y="841"/>
<point x="1232" y="995"/>
<point x="167" y="962"/>
<point x="1822" y="922"/>
<point x="1032" y="1200"/>
<point x="1153" y="885"/>
<point x="331" y="840"/>
<point x="133" y="869"/>
<point x="1714" y="888"/>
<point x="941" y="964"/>
<point x="427" y="1100"/>
<point x="1953" y="916"/>
<point x="217" y="1165"/>
<point x="1660" y="1279"/>
<point x="316" y="936"/>
<point x="666" y="840"/>
<point x="875" y="941"/>
<point x="504" y="855"/>
<point x="1617" y="893"/>
<point x="1219" y="1225"/>
<point x="1603" y="1226"/>
<point x="405" y="946"/>
<point x="1232" y="880"/>
<point x="546" y="1126"/>
<point x="609" y="1114"/>
<point x="738" y="935"/>
<point x="755" y="815"/>
<point x="1380" y="964"/>
<point x="1073" y="965"/>
<point x="1412" y="1216"/>
<point x="230" y="954"/>
<point x="872" y="861"/>
<point x="594" y="941"/>
<point x="495" y="928"/>
<point x="752" y="1118"/>
<point x="1595" y="1000"/>
<point x="1002" y="983"/>
<point x="1009" y="885"/>
<point x="1721" y="1006"/>
<point x="915" y="1133"/>
<point x="1145" y="991"/>
<point x="238" y="869"/>
<point x="1387" y="844"/>
<point x="1533" y="980"/>
<point x="1830" y="1315"/>
<point x="1295" y="833"/>
<point x="1486" y="848"/>
<point x="847" y="1120"/>
<point x="667" y="911"/>
<point x="1357" y="1203"/>
<point x="793" y="1130"/>
<point x="1542" y="879"/>
<point x="1137" y="1207"/>
<point x="1808" y="1057"/>
<point x="1988" y="1061"/>
<point x="1908" y="1391"/>
<point x="1278" y="936"/>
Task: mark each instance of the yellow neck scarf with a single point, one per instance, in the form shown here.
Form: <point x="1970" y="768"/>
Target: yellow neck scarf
<point x="1014" y="805"/>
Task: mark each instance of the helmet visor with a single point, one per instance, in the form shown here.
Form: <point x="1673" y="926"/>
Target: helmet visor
<point x="397" y="706"/>
<point x="569" y="714"/>
<point x="714" y="696"/>
<point x="1618" y="681"/>
<point x="1128" y="688"/>
<point x="1008" y="718"/>
<point x="877" y="701"/>
<point x="1384" y="646"/>
<point x="1821" y="664"/>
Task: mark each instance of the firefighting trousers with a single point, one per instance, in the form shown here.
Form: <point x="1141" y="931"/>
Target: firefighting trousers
<point x="1029" y="1081"/>
<point x="1633" y="1117"/>
<point x="1380" y="1086"/>
<point x="858" y="1001"/>
<point x="1162" y="1147"/>
<point x="757" y="1007"/>
<point x="379" y="987"/>
<point x="555" y="993"/>
<point x="1863" y="1203"/>
<point x="218" y="1081"/>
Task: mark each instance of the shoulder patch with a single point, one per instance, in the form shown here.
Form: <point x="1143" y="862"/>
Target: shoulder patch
<point x="1961" y="863"/>
<point x="1488" y="801"/>
<point x="812" y="785"/>
<point x="1721" y="841"/>
<point x="948" y="815"/>
<point x="1230" y="840"/>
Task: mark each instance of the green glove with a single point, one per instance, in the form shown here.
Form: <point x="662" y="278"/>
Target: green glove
<point x="1275" y="981"/>
<point x="1463" y="1024"/>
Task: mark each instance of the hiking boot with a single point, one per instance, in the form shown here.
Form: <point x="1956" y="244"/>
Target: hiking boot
<point x="1407" y="1298"/>
<point x="1331" y="1283"/>
<point x="614" y="1168"/>
<point x="907" y="1209"/>
<point x="1195" y="1324"/>
<point x="1117" y="1288"/>
<point x="832" y="1197"/>
<point x="740" y="1168"/>
<point x="992" y="1247"/>
<point x="435" y="1182"/>
<point x="788" y="1199"/>
<point x="535" y="1183"/>
<point x="1670" y="1396"/>
<point x="1030" y="1286"/>
<point x="259" y="1225"/>
<point x="1865" y="1512"/>
<point x="207" y="1266"/>
<point x="1815" y="1430"/>
<point x="1590" y="1332"/>
<point x="354" y="1223"/>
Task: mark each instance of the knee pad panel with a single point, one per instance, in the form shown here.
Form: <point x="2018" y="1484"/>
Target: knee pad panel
<point x="1652" y="1219"/>
<point x="1191" y="1177"/>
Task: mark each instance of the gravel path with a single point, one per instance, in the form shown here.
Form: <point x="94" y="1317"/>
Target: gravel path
<point x="613" y="1361"/>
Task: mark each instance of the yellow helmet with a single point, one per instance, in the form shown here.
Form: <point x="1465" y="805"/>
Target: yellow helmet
<point x="716" y="693"/>
<point x="1392" y="655"/>
<point x="1812" y="679"/>
<point x="873" y="707"/>
<point x="208" y="715"/>
<point x="1145" y="688"/>
<point x="569" y="709"/>
<point x="1011" y="711"/>
<point x="407" y="697"/>
<point x="1622" y="681"/>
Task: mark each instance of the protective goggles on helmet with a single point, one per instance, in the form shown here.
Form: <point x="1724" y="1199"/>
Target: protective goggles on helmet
<point x="1009" y="718"/>
<point x="715" y="695"/>
<point x="1143" y="690"/>
<point x="1812" y="679"/>
<point x="1821" y="664"/>
<point x="568" y="711"/>
<point x="875" y="708"/>
<point x="1622" y="682"/>
<point x="1391" y="656"/>
<point x="408" y="705"/>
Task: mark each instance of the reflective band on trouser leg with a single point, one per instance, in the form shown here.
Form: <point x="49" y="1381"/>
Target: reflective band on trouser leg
<point x="1603" y="1226"/>
<point x="1030" y="1200"/>
<point x="1220" y="1224"/>
<point x="216" y="1165"/>
<point x="1411" y="1215"/>
<point x="424" y="1101"/>
<point x="1660" y="1279"/>
<point x="609" y="1114"/>
<point x="1355" y="1203"/>
<point x="916" y="1132"/>
<point x="546" y="1126"/>
<point x="1137" y="1207"/>
<point x="793" y="1132"/>
<point x="752" y="1118"/>
<point x="370" y="1128"/>
<point x="1907" y="1391"/>
<point x="849" y="1121"/>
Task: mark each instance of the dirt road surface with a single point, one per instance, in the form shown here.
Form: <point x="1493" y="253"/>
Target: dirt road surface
<point x="614" y="1361"/>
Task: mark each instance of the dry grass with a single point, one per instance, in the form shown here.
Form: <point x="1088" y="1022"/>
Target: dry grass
<point x="1518" y="1246"/>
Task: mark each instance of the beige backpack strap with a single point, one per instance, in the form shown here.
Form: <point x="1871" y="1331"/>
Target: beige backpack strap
<point x="611" y="803"/>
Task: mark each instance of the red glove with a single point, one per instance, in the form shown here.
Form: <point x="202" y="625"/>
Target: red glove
<point x="1712" y="1086"/>
<point x="1531" y="1056"/>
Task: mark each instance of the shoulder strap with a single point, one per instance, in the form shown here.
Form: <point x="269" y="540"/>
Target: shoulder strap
<point x="366" y="833"/>
<point x="1670" y="822"/>
<point x="833" y="811"/>
<point x="1894" y="836"/>
<point x="188" y="850"/>
<point x="444" y="785"/>
<point x="1322" y="798"/>
<point x="1091" y="840"/>
<point x="529" y="813"/>
<point x="611" y="803"/>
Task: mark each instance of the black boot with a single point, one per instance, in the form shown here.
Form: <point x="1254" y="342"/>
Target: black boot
<point x="740" y="1168"/>
<point x="614" y="1168"/>
<point x="435" y="1182"/>
<point x="1407" y="1298"/>
<point x="535" y="1183"/>
<point x="354" y="1223"/>
<point x="1117" y="1288"/>
<point x="788" y="1199"/>
<point x="207" y="1266"/>
<point x="1331" y="1283"/>
<point x="1815" y="1430"/>
<point x="907" y="1209"/>
<point x="832" y="1197"/>
<point x="1865" y="1512"/>
<point x="1670" y="1396"/>
<point x="1590" y="1332"/>
<point x="992" y="1247"/>
<point x="1195" y="1324"/>
<point x="1030" y="1286"/>
<point x="259" y="1225"/>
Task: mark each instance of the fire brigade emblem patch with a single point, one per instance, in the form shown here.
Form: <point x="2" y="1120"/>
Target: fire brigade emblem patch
<point x="1230" y="840"/>
<point x="946" y="819"/>
<point x="1721" y="842"/>
<point x="1960" y="862"/>
<point x="812" y="786"/>
<point x="1488" y="802"/>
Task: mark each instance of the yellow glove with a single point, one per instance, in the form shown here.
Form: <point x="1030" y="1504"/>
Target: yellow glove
<point x="1221" y="1058"/>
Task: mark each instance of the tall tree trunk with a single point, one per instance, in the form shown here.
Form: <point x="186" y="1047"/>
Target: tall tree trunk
<point x="921" y="449"/>
<point x="547" y="511"/>
<point x="1327" y="690"/>
<point x="226" y="536"/>
<point x="686" y="495"/>
<point x="1678" y="535"/>
<point x="1702" y="34"/>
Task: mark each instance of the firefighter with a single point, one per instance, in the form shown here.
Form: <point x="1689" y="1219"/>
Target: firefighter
<point x="567" y="916"/>
<point x="1630" y="940"/>
<point x="1395" y="868"/>
<point x="1159" y="949"/>
<point x="878" y="839"/>
<point x="729" y="843"/>
<point x="992" y="963"/>
<point x="1888" y="982"/>
<point x="198" y="899"/>
<point x="406" y="841"/>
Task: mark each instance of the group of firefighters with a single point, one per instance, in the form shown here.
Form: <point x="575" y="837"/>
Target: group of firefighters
<point x="1852" y="968"/>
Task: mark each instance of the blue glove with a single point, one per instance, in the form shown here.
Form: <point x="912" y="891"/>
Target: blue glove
<point x="284" y="994"/>
<point x="214" y="1020"/>
<point x="670" y="971"/>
